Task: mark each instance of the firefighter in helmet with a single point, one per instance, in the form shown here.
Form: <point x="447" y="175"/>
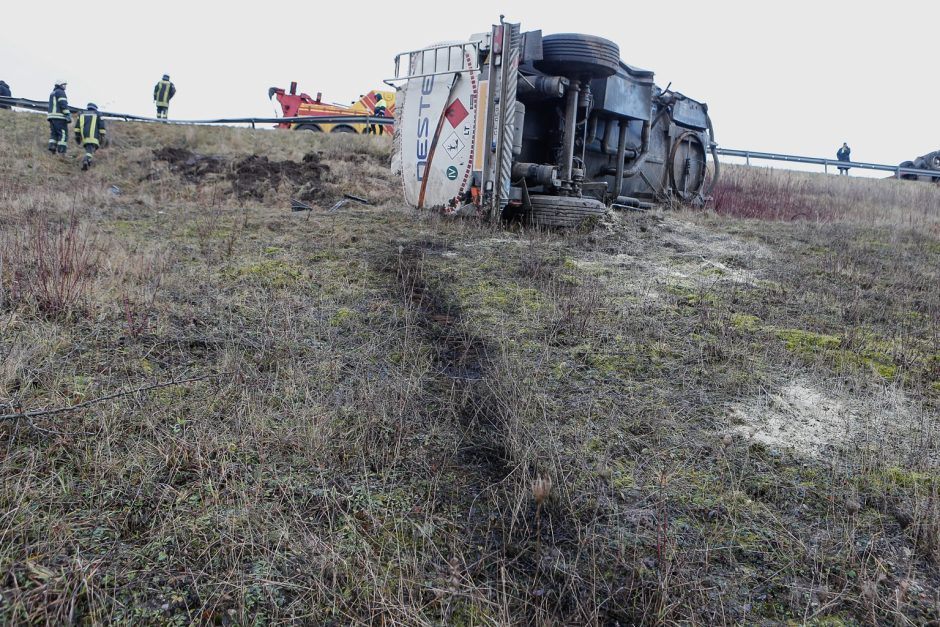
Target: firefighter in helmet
<point x="90" y="133"/>
<point x="163" y="92"/>
<point x="380" y="111"/>
<point x="59" y="117"/>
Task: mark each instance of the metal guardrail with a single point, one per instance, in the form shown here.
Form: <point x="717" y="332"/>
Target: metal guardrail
<point x="42" y="106"/>
<point x="773" y="156"/>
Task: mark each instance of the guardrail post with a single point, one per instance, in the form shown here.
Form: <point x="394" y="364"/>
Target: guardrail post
<point x="825" y="167"/>
<point x="897" y="173"/>
<point x="747" y="158"/>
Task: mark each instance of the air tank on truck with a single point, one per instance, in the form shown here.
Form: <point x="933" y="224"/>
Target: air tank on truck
<point x="553" y="128"/>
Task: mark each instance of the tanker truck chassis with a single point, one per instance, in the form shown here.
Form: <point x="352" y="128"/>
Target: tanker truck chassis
<point x="929" y="163"/>
<point x="555" y="129"/>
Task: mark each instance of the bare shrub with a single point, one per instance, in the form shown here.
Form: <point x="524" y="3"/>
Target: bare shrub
<point x="49" y="265"/>
<point x="759" y="194"/>
<point x="138" y="300"/>
<point x="769" y="194"/>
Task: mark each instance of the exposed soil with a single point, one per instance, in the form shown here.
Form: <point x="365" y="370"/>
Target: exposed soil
<point x="252" y="176"/>
<point x="191" y="166"/>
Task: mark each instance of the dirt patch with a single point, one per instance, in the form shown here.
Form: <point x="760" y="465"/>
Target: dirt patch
<point x="189" y="165"/>
<point x="251" y="177"/>
<point x="255" y="174"/>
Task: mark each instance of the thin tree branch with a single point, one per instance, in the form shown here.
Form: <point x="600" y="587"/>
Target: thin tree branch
<point x="61" y="410"/>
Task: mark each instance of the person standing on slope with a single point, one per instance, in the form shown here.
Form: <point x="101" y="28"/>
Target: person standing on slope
<point x="163" y="92"/>
<point x="380" y="111"/>
<point x="90" y="133"/>
<point x="844" y="154"/>
<point x="59" y="117"/>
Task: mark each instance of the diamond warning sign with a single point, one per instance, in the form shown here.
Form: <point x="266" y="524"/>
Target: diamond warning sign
<point x="456" y="113"/>
<point x="453" y="145"/>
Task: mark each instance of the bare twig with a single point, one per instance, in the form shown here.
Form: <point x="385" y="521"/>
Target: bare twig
<point x="61" y="410"/>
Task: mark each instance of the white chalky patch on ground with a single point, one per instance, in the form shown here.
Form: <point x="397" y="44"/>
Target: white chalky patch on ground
<point x="812" y="421"/>
<point x="685" y="254"/>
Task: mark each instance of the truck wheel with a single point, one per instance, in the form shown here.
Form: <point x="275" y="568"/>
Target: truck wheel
<point x="308" y="127"/>
<point x="564" y="211"/>
<point x="573" y="54"/>
<point x="343" y="129"/>
<point x="908" y="177"/>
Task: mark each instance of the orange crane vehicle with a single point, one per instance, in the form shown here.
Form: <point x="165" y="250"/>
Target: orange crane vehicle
<point x="294" y="105"/>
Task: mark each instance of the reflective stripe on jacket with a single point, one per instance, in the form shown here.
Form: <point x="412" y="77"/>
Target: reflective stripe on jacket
<point x="380" y="107"/>
<point x="162" y="92"/>
<point x="58" y="105"/>
<point x="90" y="128"/>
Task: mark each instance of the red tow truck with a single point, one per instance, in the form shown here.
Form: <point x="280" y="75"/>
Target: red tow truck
<point x="302" y="105"/>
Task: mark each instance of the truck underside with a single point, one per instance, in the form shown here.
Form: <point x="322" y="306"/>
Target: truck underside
<point x="930" y="163"/>
<point x="556" y="129"/>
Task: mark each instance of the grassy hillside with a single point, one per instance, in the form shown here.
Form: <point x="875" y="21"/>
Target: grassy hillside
<point x="373" y="415"/>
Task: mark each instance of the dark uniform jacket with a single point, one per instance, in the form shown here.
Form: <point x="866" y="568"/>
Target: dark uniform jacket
<point x="90" y="128"/>
<point x="844" y="154"/>
<point x="58" y="105"/>
<point x="163" y="91"/>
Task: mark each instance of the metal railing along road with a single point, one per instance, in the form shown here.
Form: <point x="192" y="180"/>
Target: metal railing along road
<point x="773" y="156"/>
<point x="42" y="106"/>
<point x="747" y="155"/>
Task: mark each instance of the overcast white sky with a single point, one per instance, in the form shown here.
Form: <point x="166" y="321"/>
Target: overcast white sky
<point x="797" y="76"/>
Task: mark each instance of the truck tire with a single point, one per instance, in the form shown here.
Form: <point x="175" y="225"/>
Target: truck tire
<point x="308" y="127"/>
<point x="573" y="54"/>
<point x="933" y="162"/>
<point x="908" y="177"/>
<point x="343" y="129"/>
<point x="564" y="211"/>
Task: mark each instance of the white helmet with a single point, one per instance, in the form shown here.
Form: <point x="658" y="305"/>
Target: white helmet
<point x="61" y="82"/>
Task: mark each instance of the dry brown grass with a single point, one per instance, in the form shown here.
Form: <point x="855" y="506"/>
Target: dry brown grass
<point x="425" y="421"/>
<point x="766" y="193"/>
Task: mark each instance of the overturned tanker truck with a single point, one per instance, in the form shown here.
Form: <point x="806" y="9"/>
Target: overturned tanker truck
<point x="929" y="163"/>
<point x="554" y="129"/>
